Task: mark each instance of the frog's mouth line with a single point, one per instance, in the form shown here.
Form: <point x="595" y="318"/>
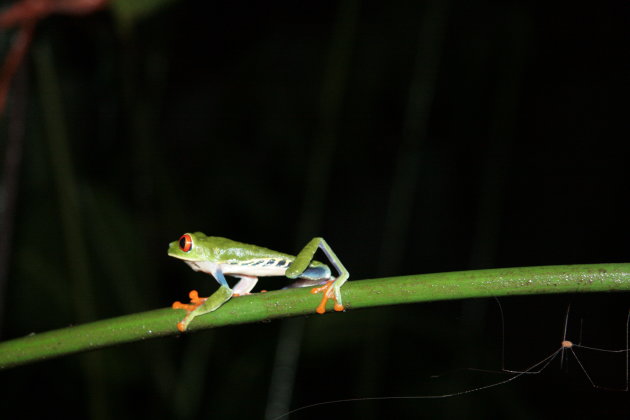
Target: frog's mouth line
<point x="180" y="257"/>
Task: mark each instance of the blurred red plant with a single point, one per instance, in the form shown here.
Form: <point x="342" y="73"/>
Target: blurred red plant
<point x="24" y="15"/>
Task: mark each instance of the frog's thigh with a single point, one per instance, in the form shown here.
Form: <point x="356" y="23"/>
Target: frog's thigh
<point x="306" y="283"/>
<point x="244" y="285"/>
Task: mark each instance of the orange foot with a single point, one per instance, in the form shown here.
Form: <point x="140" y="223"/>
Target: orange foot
<point x="195" y="302"/>
<point x="329" y="293"/>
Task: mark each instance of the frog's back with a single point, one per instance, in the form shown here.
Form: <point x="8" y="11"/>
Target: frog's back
<point x="231" y="252"/>
<point x="227" y="251"/>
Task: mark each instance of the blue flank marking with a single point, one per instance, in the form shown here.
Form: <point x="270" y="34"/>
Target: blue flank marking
<point x="221" y="278"/>
<point x="314" y="273"/>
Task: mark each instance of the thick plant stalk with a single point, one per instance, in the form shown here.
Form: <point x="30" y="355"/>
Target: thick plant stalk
<point x="356" y="294"/>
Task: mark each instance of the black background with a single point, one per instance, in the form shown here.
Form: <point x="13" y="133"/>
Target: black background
<point x="415" y="137"/>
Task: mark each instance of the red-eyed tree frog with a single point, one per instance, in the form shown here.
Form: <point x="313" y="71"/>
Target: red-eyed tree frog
<point x="222" y="257"/>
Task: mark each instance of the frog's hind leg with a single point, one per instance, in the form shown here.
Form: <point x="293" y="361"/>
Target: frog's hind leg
<point x="302" y="264"/>
<point x="244" y="285"/>
<point x="305" y="282"/>
<point x="312" y="276"/>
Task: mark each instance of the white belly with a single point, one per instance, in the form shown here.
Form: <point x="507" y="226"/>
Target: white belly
<point x="236" y="269"/>
<point x="253" y="271"/>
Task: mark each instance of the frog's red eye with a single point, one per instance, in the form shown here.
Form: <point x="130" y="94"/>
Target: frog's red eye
<point x="185" y="242"/>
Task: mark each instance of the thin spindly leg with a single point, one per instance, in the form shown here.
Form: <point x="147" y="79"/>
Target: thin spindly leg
<point x="331" y="290"/>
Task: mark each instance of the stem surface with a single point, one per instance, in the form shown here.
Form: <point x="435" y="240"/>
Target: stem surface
<point x="293" y="302"/>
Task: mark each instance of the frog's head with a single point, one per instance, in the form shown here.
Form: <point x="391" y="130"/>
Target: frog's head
<point x="189" y="247"/>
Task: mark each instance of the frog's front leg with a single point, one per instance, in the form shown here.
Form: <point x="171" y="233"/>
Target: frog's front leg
<point x="331" y="290"/>
<point x="200" y="306"/>
<point x="244" y="285"/>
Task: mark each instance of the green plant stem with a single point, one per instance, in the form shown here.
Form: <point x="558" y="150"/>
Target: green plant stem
<point x="294" y="302"/>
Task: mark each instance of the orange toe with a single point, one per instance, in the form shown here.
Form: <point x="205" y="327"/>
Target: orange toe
<point x="195" y="302"/>
<point x="328" y="292"/>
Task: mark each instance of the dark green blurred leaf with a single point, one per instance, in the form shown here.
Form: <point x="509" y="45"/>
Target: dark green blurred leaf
<point x="128" y="12"/>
